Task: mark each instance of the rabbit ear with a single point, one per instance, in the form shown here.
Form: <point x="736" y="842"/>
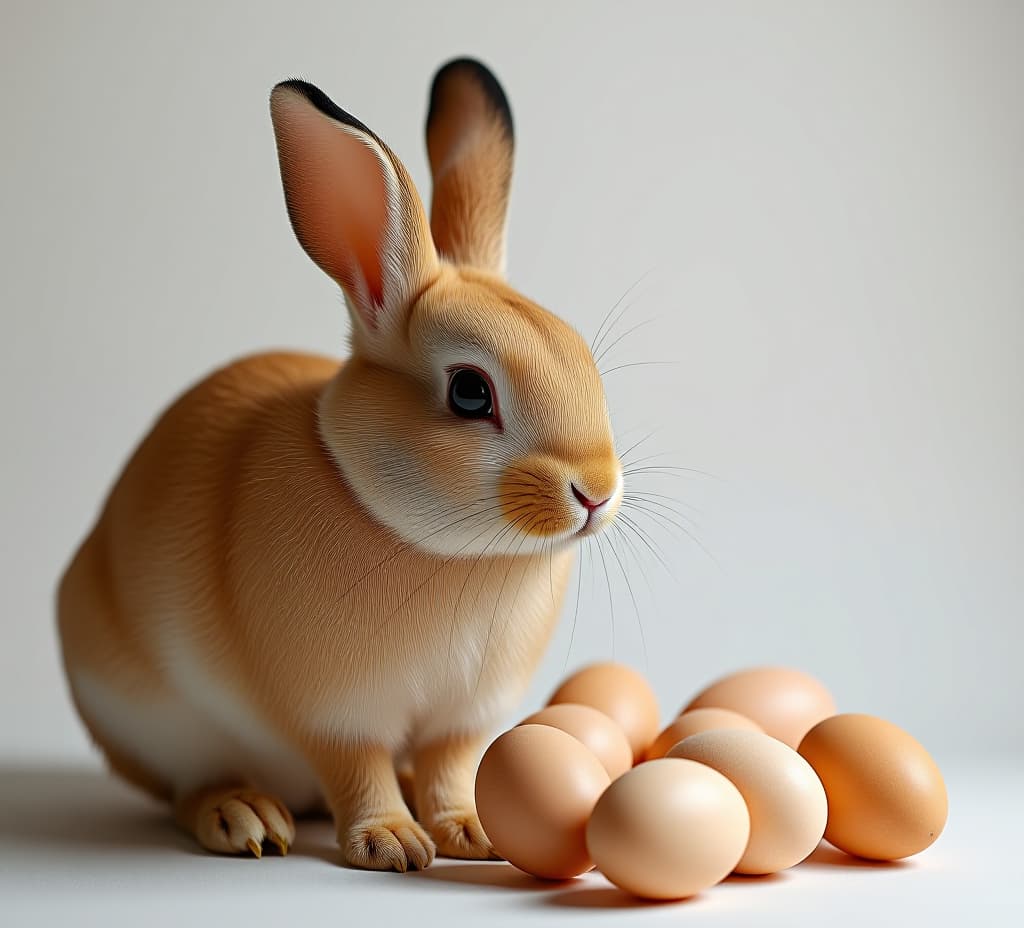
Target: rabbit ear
<point x="470" y="143"/>
<point x="352" y="204"/>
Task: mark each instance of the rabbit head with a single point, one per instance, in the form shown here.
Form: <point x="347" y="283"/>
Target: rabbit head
<point x="467" y="419"/>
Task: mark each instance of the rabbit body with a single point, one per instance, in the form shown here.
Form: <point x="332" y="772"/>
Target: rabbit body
<point x="318" y="621"/>
<point x="309" y="569"/>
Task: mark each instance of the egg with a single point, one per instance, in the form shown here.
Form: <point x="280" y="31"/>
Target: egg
<point x="668" y="829"/>
<point x="694" y="721"/>
<point x="886" y="796"/>
<point x="620" y="693"/>
<point x="535" y="789"/>
<point x="785" y="703"/>
<point x="594" y="729"/>
<point x="784" y="796"/>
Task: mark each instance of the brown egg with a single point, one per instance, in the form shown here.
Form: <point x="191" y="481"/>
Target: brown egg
<point x="668" y="829"/>
<point x="594" y="729"/>
<point x="783" y="794"/>
<point x="535" y="789"/>
<point x="886" y="796"/>
<point x="785" y="703"/>
<point x="694" y="721"/>
<point x="620" y="693"/>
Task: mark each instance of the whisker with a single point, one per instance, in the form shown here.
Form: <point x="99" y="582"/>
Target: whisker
<point x="445" y="563"/>
<point x="628" y="331"/>
<point x="598" y="337"/>
<point x="668" y="469"/>
<point x="642" y="498"/>
<point x="633" y="468"/>
<point x="673" y="499"/>
<point x="650" y="457"/>
<point x="496" y="559"/>
<point x="671" y="522"/>
<point x="622" y="367"/>
<point x="465" y="583"/>
<point x="611" y="327"/>
<point x="631" y="547"/>
<point x="658" y="520"/>
<point x="576" y="611"/>
<point x="648" y="543"/>
<point x="497" y="602"/>
<point x="542" y="524"/>
<point x="625" y="454"/>
<point x="608" y="583"/>
<point x="403" y="546"/>
<point x="551" y="580"/>
<point x="636" y="608"/>
<point x="634" y="504"/>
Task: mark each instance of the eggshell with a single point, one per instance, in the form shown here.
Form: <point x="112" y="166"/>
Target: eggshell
<point x="535" y="789"/>
<point x="668" y="829"/>
<point x="886" y="796"/>
<point x="594" y="729"/>
<point x="785" y="703"/>
<point x="697" y="720"/>
<point x="620" y="693"/>
<point x="784" y="796"/>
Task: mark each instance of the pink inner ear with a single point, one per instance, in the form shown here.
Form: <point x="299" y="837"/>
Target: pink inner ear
<point x="338" y="200"/>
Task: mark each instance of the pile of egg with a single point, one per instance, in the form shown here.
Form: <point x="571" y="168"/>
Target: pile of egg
<point x="756" y="769"/>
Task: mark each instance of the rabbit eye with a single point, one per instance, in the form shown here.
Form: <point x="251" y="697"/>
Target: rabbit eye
<point x="469" y="394"/>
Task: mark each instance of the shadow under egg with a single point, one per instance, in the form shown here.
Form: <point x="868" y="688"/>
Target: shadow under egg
<point x="486" y="874"/>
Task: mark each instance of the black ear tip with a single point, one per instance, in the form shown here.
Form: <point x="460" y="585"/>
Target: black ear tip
<point x="304" y="88"/>
<point x="479" y="72"/>
<point x="318" y="99"/>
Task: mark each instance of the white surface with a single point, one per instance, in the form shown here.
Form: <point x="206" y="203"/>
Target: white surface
<point x="76" y="848"/>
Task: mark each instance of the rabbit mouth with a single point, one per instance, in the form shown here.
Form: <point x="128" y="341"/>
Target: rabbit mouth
<point x="599" y="512"/>
<point x="588" y="528"/>
<point x="594" y="524"/>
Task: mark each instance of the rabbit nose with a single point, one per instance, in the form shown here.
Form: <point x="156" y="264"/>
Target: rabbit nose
<point x="585" y="501"/>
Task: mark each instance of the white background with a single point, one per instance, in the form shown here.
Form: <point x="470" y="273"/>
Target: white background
<point x="827" y="201"/>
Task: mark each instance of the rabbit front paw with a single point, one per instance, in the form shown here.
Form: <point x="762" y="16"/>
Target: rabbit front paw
<point x="395" y="843"/>
<point x="458" y="833"/>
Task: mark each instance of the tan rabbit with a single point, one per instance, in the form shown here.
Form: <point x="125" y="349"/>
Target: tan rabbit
<point x="310" y="568"/>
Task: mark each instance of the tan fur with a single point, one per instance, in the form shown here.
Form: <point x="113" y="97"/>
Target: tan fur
<point x="470" y="150"/>
<point x="271" y="587"/>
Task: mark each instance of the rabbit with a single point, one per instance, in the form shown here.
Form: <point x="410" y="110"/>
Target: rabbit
<point x="311" y="568"/>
